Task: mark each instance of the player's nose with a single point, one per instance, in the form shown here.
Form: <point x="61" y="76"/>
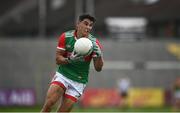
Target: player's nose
<point x="89" y="28"/>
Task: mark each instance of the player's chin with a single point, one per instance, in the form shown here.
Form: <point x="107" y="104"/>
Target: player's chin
<point x="85" y="34"/>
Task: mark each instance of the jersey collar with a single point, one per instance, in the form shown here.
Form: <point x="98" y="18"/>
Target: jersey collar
<point x="75" y="35"/>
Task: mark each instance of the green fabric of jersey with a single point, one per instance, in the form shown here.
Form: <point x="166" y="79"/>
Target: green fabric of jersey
<point x="77" y="71"/>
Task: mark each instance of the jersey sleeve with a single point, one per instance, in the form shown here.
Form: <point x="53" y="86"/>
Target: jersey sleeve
<point x="94" y="54"/>
<point x="61" y="42"/>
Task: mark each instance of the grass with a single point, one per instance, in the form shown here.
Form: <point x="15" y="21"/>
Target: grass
<point x="77" y="109"/>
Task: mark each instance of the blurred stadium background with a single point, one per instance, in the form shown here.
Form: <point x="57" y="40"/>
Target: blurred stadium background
<point x="140" y="38"/>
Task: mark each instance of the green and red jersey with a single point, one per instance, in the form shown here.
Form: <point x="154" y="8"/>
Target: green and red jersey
<point x="77" y="71"/>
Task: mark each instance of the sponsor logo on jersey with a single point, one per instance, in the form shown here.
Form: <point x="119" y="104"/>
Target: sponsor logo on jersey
<point x="79" y="77"/>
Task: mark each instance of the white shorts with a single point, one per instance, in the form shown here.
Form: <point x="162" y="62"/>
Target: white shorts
<point x="73" y="89"/>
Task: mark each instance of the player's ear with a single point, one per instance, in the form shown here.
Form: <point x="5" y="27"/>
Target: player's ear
<point x="77" y="24"/>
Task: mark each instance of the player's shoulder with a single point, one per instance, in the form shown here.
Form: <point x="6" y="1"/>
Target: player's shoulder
<point x="92" y="37"/>
<point x="66" y="35"/>
<point x="69" y="33"/>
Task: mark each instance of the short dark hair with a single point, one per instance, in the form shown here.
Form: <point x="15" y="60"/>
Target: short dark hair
<point x="87" y="16"/>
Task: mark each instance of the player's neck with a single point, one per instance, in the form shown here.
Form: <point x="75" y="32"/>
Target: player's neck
<point x="79" y="35"/>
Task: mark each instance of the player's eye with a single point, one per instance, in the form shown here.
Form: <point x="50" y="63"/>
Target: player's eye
<point x="86" y="23"/>
<point x="91" y="25"/>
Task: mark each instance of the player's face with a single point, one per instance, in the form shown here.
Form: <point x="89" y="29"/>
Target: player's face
<point x="84" y="27"/>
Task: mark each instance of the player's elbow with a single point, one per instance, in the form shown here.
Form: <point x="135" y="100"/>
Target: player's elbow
<point x="98" y="64"/>
<point x="98" y="68"/>
<point x="58" y="61"/>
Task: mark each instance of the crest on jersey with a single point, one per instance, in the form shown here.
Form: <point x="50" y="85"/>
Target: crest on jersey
<point x="68" y="46"/>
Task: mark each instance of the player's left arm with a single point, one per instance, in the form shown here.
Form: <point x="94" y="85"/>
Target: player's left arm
<point x="97" y="56"/>
<point x="98" y="63"/>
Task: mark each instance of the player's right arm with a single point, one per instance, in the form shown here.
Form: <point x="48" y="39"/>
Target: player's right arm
<point x="60" y="51"/>
<point x="60" y="59"/>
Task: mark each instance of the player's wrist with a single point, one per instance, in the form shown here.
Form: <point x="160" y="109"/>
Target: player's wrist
<point x="68" y="60"/>
<point x="97" y="55"/>
<point x="98" y="52"/>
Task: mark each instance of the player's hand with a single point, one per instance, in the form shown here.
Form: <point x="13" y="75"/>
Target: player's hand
<point x="96" y="50"/>
<point x="74" y="57"/>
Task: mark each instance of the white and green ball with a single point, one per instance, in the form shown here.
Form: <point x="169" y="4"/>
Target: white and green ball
<point x="83" y="46"/>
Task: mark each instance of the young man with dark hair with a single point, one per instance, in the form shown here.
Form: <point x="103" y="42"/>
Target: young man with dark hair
<point x="72" y="70"/>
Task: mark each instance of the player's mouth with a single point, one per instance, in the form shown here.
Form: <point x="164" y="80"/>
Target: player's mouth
<point x="86" y="31"/>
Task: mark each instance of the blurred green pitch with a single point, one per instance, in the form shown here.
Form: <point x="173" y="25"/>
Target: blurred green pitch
<point x="77" y="109"/>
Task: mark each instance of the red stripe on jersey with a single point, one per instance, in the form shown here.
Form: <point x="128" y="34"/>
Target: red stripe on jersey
<point x="71" y="97"/>
<point x="88" y="58"/>
<point x="98" y="43"/>
<point x="61" y="42"/>
<point x="59" y="84"/>
<point x="75" y="33"/>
